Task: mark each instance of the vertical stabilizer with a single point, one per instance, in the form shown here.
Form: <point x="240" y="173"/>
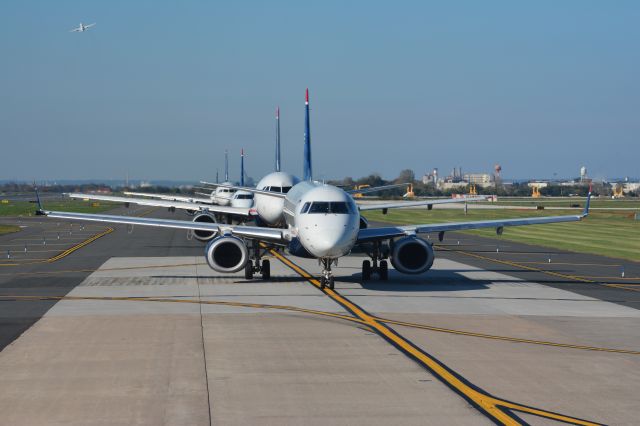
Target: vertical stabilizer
<point x="278" y="139"/>
<point x="307" y="141"/>
<point x="242" y="167"/>
<point x="226" y="165"/>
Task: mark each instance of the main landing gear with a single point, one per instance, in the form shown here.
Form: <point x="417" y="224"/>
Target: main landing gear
<point x="377" y="264"/>
<point x="255" y="265"/>
<point x="327" y="279"/>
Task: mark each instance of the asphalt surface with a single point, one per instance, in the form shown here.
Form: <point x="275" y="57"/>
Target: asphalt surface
<point x="146" y="333"/>
<point x="29" y="274"/>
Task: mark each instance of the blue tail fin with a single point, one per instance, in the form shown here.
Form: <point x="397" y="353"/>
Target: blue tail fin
<point x="242" y="167"/>
<point x="308" y="175"/>
<point x="278" y="139"/>
<point x="585" y="213"/>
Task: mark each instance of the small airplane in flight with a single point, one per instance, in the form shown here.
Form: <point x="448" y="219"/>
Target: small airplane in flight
<point x="82" y="28"/>
<point x="322" y="222"/>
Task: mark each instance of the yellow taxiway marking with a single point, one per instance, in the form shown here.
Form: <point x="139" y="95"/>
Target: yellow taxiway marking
<point x="63" y="254"/>
<point x="520" y="265"/>
<point x="632" y="287"/>
<point x="75" y="247"/>
<point x="176" y="299"/>
<point x="497" y="409"/>
<point x="506" y="338"/>
<point x="171" y="299"/>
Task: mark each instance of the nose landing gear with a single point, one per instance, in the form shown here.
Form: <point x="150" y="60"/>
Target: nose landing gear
<point x="327" y="279"/>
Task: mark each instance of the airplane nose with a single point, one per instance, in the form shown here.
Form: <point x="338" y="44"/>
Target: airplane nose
<point x="329" y="243"/>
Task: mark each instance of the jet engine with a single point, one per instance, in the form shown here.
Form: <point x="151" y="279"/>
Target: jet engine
<point x="200" y="235"/>
<point x="227" y="254"/>
<point x="411" y="255"/>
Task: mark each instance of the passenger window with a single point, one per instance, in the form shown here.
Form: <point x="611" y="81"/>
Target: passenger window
<point x="305" y="208"/>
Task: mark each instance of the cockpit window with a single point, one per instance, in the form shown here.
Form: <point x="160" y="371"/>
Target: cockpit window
<point x="305" y="208"/>
<point x="244" y="196"/>
<point x="286" y="189"/>
<point x="335" y="207"/>
<point x="339" y="207"/>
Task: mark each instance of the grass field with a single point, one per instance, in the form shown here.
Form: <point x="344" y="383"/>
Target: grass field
<point x="25" y="208"/>
<point x="614" y="233"/>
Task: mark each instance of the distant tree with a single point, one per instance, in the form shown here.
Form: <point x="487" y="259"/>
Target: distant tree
<point x="406" y="176"/>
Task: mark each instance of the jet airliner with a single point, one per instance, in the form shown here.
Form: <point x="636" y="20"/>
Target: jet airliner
<point x="322" y="222"/>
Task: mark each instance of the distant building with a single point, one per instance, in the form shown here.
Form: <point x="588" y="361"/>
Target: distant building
<point x="481" y="179"/>
<point x="538" y="185"/>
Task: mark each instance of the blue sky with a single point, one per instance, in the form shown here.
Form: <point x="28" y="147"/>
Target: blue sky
<point x="159" y="89"/>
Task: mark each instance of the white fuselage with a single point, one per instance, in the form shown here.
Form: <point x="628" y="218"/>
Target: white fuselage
<point x="325" y="219"/>
<point x="242" y="199"/>
<point x="223" y="195"/>
<point x="270" y="209"/>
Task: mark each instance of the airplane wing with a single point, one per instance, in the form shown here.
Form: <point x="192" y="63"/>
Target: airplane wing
<point x="253" y="232"/>
<point x="172" y="197"/>
<point x="364" y="207"/>
<point x="90" y="25"/>
<point x="384" y="233"/>
<point x="376" y="188"/>
<point x="167" y="203"/>
<point x="75" y="30"/>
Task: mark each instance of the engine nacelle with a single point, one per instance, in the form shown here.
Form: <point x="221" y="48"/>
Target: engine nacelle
<point x="227" y="254"/>
<point x="412" y="255"/>
<point x="204" y="235"/>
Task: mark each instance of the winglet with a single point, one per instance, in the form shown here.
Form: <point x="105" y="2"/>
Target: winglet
<point x="40" y="211"/>
<point x="585" y="213"/>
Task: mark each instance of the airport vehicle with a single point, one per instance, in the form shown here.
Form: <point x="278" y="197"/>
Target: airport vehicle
<point x="82" y="28"/>
<point x="323" y="222"/>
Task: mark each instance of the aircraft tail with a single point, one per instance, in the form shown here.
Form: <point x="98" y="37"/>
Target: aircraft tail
<point x="226" y="165"/>
<point x="308" y="175"/>
<point x="585" y="213"/>
<point x="242" y="167"/>
<point x="278" y="139"/>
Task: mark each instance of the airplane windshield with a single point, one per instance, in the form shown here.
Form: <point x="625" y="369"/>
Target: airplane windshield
<point x="244" y="196"/>
<point x="286" y="189"/>
<point x="336" y="207"/>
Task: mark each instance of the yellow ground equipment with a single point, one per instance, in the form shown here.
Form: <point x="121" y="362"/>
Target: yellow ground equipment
<point x="359" y="195"/>
<point x="618" y="192"/>
<point x="536" y="192"/>
<point x="409" y="193"/>
<point x="473" y="190"/>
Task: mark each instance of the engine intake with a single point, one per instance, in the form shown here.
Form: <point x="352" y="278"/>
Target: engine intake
<point x="227" y="254"/>
<point x="204" y="235"/>
<point x="412" y="255"/>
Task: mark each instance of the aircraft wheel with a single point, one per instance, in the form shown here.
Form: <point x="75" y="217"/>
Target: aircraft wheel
<point x="248" y="271"/>
<point x="366" y="270"/>
<point x="323" y="282"/>
<point x="266" y="269"/>
<point x="331" y="283"/>
<point x="384" y="270"/>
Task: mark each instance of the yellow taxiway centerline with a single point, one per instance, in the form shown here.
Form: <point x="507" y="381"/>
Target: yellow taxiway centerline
<point x="498" y="410"/>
